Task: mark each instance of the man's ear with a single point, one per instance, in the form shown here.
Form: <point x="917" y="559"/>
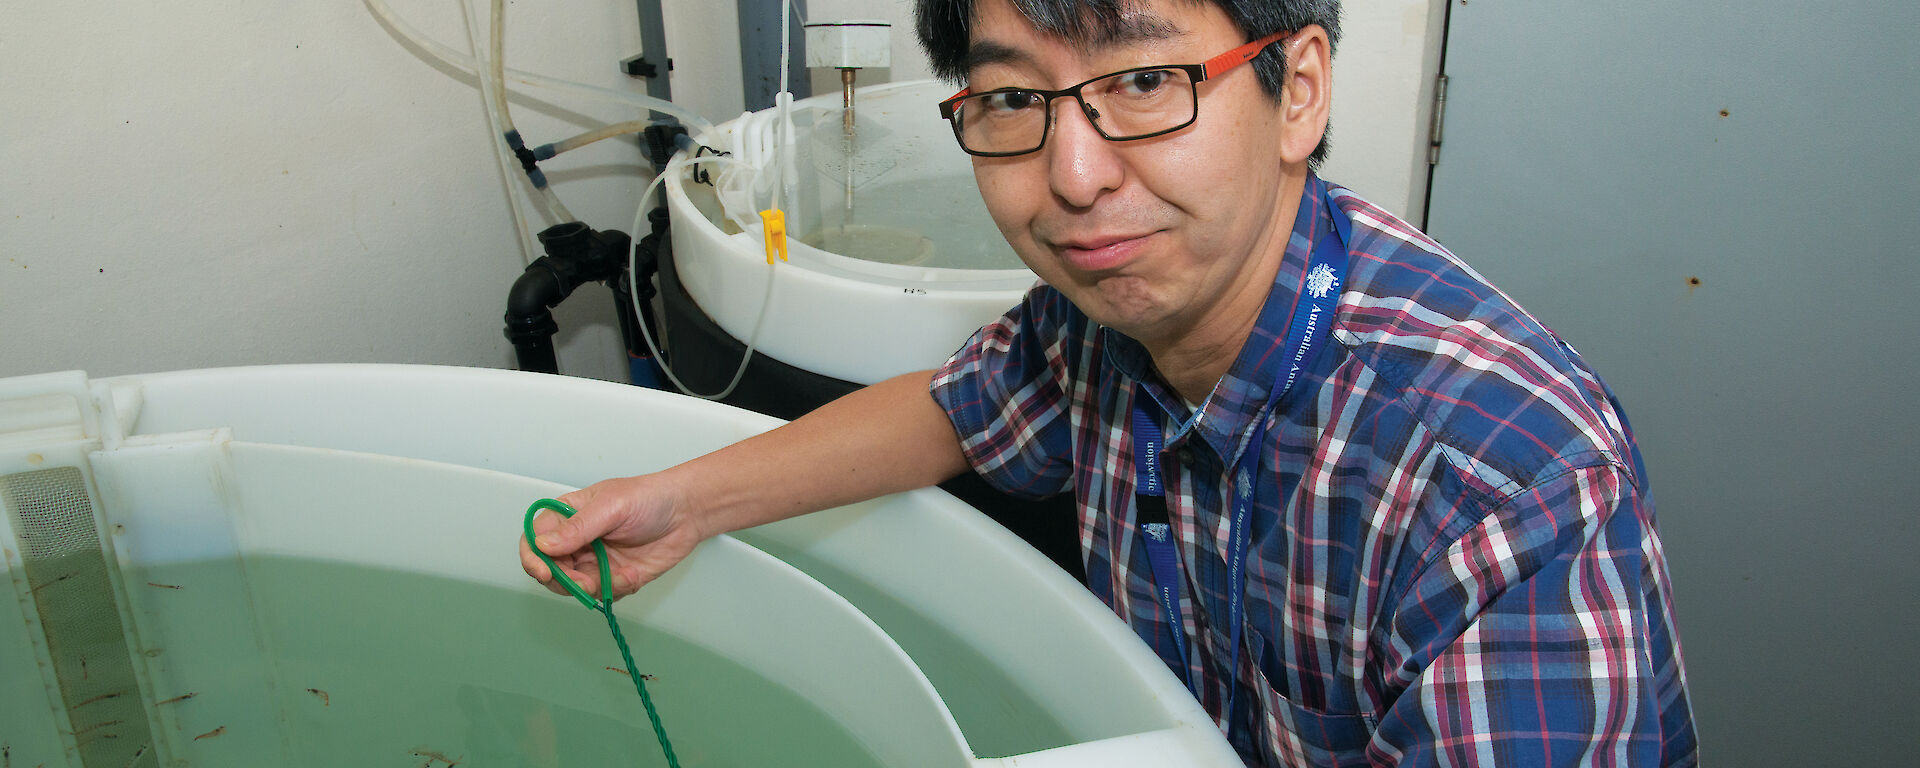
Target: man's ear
<point x="1308" y="97"/>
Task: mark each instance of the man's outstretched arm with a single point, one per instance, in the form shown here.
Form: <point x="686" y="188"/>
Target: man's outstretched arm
<point x="883" y="439"/>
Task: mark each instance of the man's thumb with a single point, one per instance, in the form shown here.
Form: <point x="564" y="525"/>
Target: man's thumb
<point x="567" y="535"/>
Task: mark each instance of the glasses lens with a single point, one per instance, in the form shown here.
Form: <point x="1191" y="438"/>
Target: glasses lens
<point x="1125" y="105"/>
<point x="1141" y="103"/>
<point x="1001" y="121"/>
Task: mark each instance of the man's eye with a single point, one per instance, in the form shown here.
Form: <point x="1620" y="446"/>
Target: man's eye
<point x="1144" y="83"/>
<point x="1010" y="101"/>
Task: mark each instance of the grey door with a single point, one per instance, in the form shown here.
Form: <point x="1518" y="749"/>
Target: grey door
<point x="1714" y="203"/>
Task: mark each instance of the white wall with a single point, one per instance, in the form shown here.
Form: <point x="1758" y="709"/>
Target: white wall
<point x="211" y="182"/>
<point x="1383" y="79"/>
<point x="1384" y="73"/>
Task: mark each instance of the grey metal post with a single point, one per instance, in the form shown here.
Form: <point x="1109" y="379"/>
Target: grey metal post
<point x="760" y="52"/>
<point x="653" y="48"/>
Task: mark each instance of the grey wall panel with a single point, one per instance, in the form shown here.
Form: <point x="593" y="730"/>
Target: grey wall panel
<point x="1713" y="202"/>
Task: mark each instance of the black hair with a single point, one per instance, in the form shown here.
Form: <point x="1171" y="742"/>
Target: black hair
<point x="945" y="29"/>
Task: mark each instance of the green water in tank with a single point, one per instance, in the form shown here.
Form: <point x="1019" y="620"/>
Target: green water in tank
<point x="378" y="667"/>
<point x="913" y="223"/>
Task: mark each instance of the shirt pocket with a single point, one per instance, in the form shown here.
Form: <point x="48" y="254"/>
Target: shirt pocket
<point x="1301" y="736"/>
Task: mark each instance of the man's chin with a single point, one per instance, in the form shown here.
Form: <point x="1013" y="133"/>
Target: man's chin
<point x="1127" y="309"/>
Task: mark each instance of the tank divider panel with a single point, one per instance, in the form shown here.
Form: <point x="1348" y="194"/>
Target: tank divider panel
<point x="51" y="514"/>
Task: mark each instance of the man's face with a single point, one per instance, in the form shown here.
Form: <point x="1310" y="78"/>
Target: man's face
<point x="1151" y="237"/>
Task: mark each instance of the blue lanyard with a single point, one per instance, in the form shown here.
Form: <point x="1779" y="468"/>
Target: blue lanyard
<point x="1312" y="317"/>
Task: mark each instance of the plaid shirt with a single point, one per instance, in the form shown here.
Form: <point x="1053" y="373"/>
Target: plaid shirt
<point x="1454" y="560"/>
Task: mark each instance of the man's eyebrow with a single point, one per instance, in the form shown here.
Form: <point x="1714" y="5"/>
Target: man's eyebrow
<point x="1089" y="34"/>
<point x="987" y="52"/>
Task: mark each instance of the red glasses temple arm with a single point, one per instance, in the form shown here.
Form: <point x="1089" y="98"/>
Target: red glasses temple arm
<point x="1243" y="54"/>
<point x="1214" y="66"/>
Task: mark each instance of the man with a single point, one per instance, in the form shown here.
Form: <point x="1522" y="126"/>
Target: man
<point x="1365" y="506"/>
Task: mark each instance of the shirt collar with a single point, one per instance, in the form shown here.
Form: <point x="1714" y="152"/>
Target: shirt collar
<point x="1230" y="411"/>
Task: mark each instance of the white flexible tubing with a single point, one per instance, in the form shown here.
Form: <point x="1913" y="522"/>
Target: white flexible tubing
<point x="464" y="63"/>
<point x="493" y="82"/>
<point x="509" y="168"/>
<point x="599" y="134"/>
<point x="783" y="106"/>
<point x="766" y="299"/>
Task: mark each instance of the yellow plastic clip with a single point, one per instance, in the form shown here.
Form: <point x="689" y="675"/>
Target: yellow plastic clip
<point x="776" y="226"/>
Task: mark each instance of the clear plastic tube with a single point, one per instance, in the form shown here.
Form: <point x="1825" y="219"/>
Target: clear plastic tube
<point x="508" y="168"/>
<point x="783" y="105"/>
<point x="766" y="299"/>
<point x="598" y="134"/>
<point x="465" y="63"/>
<point x="493" y="85"/>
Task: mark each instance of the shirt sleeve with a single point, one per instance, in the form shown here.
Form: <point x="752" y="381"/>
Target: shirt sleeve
<point x="1542" y="637"/>
<point x="1006" y="394"/>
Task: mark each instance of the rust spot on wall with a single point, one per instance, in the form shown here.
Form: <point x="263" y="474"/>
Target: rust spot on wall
<point x="325" y="700"/>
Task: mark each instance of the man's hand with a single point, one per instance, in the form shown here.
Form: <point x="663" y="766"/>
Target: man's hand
<point x="887" y="438"/>
<point x="642" y="520"/>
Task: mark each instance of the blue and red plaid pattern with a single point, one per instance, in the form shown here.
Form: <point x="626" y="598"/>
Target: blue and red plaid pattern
<point x="1454" y="558"/>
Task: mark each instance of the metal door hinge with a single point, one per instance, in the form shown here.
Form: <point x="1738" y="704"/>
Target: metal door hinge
<point x="1436" y="127"/>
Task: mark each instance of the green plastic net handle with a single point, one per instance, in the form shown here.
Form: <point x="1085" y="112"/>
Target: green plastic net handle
<point x="604" y="606"/>
<point x="599" y="552"/>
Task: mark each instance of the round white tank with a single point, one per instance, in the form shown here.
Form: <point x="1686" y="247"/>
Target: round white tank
<point x="893" y="258"/>
<point x="315" y="565"/>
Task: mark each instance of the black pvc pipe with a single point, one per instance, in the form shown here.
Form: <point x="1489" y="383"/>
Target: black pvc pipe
<point x="576" y="255"/>
<point x="530" y="325"/>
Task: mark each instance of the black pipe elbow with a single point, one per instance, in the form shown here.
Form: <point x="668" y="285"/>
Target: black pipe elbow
<point x="576" y="255"/>
<point x="535" y="291"/>
<point x="530" y="326"/>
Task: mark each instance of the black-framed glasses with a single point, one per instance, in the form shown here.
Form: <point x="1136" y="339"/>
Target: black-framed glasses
<point x="1138" y="103"/>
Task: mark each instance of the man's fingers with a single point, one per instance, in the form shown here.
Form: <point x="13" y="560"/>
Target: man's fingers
<point x="530" y="563"/>
<point x="583" y="570"/>
<point x="549" y="530"/>
<point x="626" y="581"/>
<point x="557" y="535"/>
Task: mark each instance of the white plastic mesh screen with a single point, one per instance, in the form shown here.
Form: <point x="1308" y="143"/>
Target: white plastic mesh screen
<point x="53" y="518"/>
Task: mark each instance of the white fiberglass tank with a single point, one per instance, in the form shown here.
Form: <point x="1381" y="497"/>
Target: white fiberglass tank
<point x="893" y="258"/>
<point x="314" y="566"/>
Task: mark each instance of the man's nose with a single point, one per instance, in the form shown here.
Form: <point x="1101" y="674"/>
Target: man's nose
<point x="1082" y="165"/>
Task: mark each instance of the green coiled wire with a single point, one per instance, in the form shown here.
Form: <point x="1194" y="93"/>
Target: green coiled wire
<point x="605" y="606"/>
